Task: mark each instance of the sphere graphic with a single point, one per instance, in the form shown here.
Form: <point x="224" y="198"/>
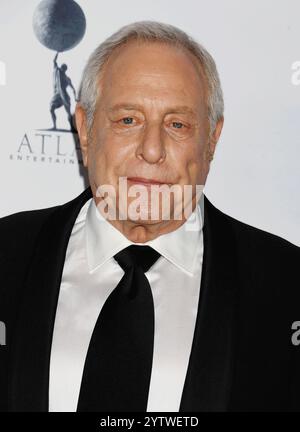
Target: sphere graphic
<point x="59" y="24"/>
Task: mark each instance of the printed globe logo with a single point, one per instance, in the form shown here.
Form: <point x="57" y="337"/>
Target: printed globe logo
<point x="59" y="25"/>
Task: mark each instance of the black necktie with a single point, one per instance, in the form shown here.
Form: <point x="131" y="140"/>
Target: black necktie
<point x="118" y="364"/>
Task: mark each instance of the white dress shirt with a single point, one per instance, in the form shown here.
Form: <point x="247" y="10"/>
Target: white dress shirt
<point x="91" y="273"/>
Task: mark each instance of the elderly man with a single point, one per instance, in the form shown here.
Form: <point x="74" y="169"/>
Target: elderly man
<point x="108" y="308"/>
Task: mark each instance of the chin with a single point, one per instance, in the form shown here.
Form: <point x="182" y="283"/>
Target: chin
<point x="146" y="221"/>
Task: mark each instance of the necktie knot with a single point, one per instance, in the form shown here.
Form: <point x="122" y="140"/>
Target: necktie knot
<point x="137" y="256"/>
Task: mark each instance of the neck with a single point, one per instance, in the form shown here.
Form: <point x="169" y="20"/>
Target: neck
<point x="142" y="231"/>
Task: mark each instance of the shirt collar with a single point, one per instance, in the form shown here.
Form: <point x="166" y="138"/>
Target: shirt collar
<point x="103" y="240"/>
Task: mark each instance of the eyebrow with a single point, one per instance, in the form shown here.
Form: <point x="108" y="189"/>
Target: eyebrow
<point x="179" y="109"/>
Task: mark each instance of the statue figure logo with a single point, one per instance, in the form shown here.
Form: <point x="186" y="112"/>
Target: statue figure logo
<point x="59" y="25"/>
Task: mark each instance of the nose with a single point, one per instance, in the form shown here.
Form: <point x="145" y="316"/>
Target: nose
<point x="151" y="147"/>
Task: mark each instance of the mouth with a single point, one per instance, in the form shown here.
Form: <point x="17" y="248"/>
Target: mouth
<point x="146" y="182"/>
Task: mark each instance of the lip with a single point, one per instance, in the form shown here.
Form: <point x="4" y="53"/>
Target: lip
<point x="145" y="181"/>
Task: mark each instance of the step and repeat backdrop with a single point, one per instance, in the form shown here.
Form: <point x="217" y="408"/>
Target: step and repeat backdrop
<point x="255" y="175"/>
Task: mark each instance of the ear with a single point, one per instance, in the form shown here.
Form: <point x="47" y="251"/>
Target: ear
<point x="214" y="138"/>
<point x="81" y="125"/>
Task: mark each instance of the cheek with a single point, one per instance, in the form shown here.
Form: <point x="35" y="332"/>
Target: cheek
<point x="97" y="159"/>
<point x="199" y="165"/>
<point x="109" y="156"/>
<point x="189" y="160"/>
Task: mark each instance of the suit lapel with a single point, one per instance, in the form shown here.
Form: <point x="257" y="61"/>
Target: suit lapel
<point x="33" y="337"/>
<point x="209" y="375"/>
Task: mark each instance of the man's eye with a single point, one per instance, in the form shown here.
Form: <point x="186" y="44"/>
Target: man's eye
<point x="178" y="125"/>
<point x="127" y="120"/>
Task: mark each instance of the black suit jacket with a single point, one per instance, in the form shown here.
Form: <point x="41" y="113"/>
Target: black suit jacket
<point x="242" y="355"/>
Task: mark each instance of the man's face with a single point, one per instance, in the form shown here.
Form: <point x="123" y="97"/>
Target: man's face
<point x="151" y="119"/>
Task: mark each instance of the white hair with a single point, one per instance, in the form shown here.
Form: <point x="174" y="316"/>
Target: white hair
<point x="150" y="31"/>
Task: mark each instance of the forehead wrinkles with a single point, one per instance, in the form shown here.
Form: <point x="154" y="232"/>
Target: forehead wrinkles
<point x="184" y="78"/>
<point x="173" y="61"/>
